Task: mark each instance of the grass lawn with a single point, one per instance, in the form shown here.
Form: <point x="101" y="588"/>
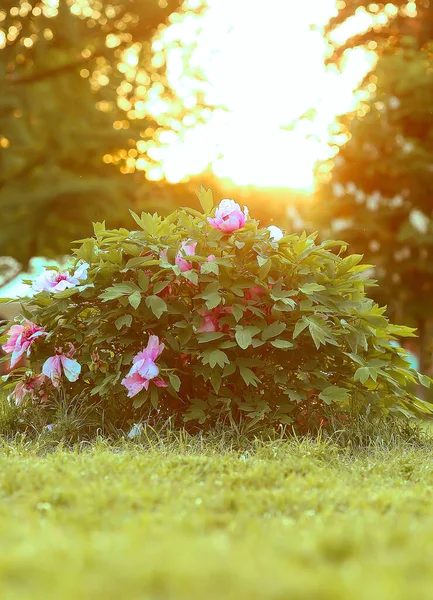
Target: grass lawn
<point x="287" y="521"/>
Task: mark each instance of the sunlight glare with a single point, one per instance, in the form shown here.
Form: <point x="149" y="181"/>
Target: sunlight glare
<point x="265" y="67"/>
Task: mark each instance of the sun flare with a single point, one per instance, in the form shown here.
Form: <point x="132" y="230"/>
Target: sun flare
<point x="266" y="69"/>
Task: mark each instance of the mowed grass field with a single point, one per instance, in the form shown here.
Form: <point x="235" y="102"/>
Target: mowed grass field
<point x="284" y="520"/>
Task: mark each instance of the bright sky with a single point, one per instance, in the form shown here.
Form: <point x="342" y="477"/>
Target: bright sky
<point x="265" y="65"/>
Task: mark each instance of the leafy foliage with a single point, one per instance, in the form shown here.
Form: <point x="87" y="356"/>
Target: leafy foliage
<point x="252" y="327"/>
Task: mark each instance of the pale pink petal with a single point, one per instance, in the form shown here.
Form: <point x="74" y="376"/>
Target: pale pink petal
<point x="14" y="333"/>
<point x="160" y="383"/>
<point x="20" y="339"/>
<point x="141" y="357"/>
<point x="63" y="285"/>
<point x="71" y="367"/>
<point x="52" y="369"/>
<point x="254" y="292"/>
<point x="70" y="353"/>
<point x="134" y="384"/>
<point x="37" y="334"/>
<point x="188" y="248"/>
<point x="17" y="354"/>
<point x="37" y="381"/>
<point x="148" y="369"/>
<point x="19" y="393"/>
<point x="154" y="348"/>
<point x="214" y="222"/>
<point x="226" y="206"/>
<point x="229" y="216"/>
<point x="183" y="264"/>
<point x="44" y="282"/>
<point x="231" y="223"/>
<point x="209" y="323"/>
<point x="81" y="271"/>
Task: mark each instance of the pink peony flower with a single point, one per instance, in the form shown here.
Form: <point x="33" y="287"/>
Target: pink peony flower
<point x="275" y="233"/>
<point x="144" y="369"/>
<point x="209" y="323"/>
<point x="29" y="387"/>
<point x="58" y="281"/>
<point x="254" y="293"/>
<point x="186" y="249"/>
<point x="62" y="363"/>
<point x="229" y="216"/>
<point x="21" y="337"/>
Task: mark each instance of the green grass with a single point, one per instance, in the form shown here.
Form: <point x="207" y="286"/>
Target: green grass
<point x="191" y="520"/>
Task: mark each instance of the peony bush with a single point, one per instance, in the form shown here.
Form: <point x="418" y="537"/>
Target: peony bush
<point x="208" y="316"/>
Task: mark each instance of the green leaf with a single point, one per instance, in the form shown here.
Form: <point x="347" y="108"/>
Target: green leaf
<point x="273" y="330"/>
<point x="229" y="369"/>
<point x="238" y="312"/>
<point x="209" y="336"/>
<point x="244" y="338"/>
<point x="135" y="299"/>
<point x="362" y="374"/>
<point x="310" y="288"/>
<point x="317" y="334"/>
<point x="299" y="327"/>
<point x="210" y="267"/>
<point x="123" y="320"/>
<point x="141" y="261"/>
<point x="140" y="398"/>
<point x="211" y="295"/>
<point x="174" y="381"/>
<point x="216" y="381"/>
<point x="159" y="286"/>
<point x="424" y="380"/>
<point x="143" y="281"/>
<point x="154" y="396"/>
<point x="67" y="293"/>
<point x="282" y="344"/>
<point x="213" y="300"/>
<point x="217" y="357"/>
<point x="192" y="276"/>
<point x="264" y="269"/>
<point x="156" y="305"/>
<point x="333" y="393"/>
<point x="205" y="198"/>
<point x="249" y="376"/>
<point x="119" y="289"/>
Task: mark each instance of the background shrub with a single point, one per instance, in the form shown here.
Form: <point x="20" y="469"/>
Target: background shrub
<point x="235" y="321"/>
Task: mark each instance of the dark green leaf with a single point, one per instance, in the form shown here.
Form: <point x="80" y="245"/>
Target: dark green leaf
<point x="157" y="305"/>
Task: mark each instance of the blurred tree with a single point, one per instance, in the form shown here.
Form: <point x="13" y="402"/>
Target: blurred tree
<point x="378" y="189"/>
<point x="76" y="116"/>
<point x="385" y="26"/>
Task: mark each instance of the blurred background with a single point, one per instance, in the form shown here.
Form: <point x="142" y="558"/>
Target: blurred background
<point x="317" y="114"/>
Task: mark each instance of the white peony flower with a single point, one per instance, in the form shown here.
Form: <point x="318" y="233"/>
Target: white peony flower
<point x="275" y="232"/>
